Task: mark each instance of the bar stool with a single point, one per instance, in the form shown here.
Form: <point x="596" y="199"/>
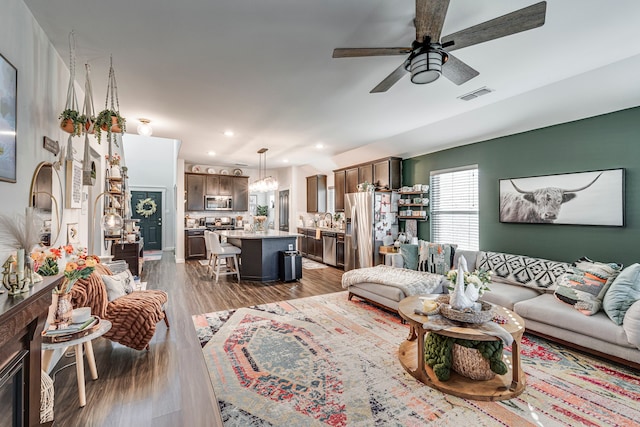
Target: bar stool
<point x="219" y="253"/>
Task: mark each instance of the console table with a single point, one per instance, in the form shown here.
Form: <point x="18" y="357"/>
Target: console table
<point x="22" y="320"/>
<point x="132" y="253"/>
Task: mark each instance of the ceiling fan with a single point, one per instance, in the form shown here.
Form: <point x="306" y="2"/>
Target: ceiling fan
<point x="429" y="54"/>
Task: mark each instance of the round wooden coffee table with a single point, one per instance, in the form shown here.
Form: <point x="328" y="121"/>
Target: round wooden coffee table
<point x="501" y="387"/>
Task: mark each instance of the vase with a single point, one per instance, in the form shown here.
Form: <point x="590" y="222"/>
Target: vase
<point x="68" y="126"/>
<point x="64" y="309"/>
<point x="115" y="171"/>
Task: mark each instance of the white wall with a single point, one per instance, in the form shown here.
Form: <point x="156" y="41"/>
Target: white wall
<point x="42" y="85"/>
<point x="151" y="164"/>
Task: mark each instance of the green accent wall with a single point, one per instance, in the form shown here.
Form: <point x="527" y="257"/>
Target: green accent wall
<point x="604" y="142"/>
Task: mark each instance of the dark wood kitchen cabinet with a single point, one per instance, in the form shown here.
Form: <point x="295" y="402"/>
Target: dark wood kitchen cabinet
<point x="219" y="185"/>
<point x="317" y="193"/>
<point x="351" y="180"/>
<point x="213" y="185"/>
<point x="339" y="181"/>
<point x="302" y="242"/>
<point x="195" y="190"/>
<point x="194" y="246"/>
<point x="383" y="173"/>
<point x="240" y="193"/>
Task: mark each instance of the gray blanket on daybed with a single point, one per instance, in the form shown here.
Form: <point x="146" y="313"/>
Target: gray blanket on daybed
<point x="410" y="282"/>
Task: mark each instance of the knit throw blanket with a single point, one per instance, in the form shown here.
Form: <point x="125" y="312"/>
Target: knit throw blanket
<point x="408" y="281"/>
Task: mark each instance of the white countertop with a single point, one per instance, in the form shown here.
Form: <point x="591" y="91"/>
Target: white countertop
<point x="267" y="234"/>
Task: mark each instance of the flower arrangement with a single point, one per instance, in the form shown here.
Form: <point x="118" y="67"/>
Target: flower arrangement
<point x="478" y="278"/>
<point x="46" y="261"/>
<point x="114" y="160"/>
<point x="78" y="269"/>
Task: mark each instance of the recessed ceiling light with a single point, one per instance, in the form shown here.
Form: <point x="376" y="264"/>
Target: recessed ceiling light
<point x="212" y="153"/>
<point x="228" y="133"/>
<point x="285" y="160"/>
<point x="319" y="146"/>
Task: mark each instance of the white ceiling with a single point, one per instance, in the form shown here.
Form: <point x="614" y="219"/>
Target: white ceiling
<point x="264" y="69"/>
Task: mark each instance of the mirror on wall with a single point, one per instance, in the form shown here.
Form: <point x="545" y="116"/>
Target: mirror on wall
<point x="45" y="197"/>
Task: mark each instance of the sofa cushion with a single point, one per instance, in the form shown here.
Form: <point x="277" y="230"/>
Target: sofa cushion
<point x="436" y="257"/>
<point x="507" y="295"/>
<point x="118" y="285"/>
<point x="622" y="293"/>
<point x="522" y="270"/>
<point x="585" y="286"/>
<point x="409" y="256"/>
<point x="631" y="324"/>
<point x="548" y="310"/>
<point x="388" y="292"/>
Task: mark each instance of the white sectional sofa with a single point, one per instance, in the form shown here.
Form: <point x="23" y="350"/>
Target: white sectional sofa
<point x="545" y="315"/>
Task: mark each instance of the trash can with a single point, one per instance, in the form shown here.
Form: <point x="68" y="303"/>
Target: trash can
<point x="290" y="264"/>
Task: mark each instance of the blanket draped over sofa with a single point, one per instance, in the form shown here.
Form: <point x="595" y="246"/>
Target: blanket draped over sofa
<point x="409" y="281"/>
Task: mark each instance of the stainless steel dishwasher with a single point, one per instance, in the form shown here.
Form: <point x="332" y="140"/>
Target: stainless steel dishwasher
<point x="329" y="248"/>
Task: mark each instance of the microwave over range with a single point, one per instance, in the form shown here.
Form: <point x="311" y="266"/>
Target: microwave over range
<point x="218" y="203"/>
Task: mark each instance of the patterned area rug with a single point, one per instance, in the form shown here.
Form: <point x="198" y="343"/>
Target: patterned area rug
<point x="328" y="361"/>
<point x="310" y="264"/>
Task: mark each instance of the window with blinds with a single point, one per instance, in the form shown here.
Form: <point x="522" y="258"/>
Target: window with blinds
<point x="454" y="207"/>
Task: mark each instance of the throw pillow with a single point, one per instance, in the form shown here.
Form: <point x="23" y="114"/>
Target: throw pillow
<point x="439" y="258"/>
<point x="522" y="270"/>
<point x="624" y="291"/>
<point x="585" y="286"/>
<point x="118" y="284"/>
<point x="409" y="256"/>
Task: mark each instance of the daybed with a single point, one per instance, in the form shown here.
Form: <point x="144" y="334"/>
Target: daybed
<point x="534" y="287"/>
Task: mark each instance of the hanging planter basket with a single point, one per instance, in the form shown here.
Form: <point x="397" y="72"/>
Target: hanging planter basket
<point x="70" y="119"/>
<point x="109" y="120"/>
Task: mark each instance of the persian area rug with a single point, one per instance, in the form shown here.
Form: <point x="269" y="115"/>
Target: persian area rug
<point x="310" y="264"/>
<point x="328" y="361"/>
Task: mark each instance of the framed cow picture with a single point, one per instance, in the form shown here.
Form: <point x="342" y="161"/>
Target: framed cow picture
<point x="580" y="198"/>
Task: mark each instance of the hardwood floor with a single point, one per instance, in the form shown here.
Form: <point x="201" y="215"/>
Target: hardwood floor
<point x="169" y="384"/>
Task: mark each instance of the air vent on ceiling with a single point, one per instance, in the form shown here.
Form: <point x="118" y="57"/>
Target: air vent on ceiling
<point x="476" y="93"/>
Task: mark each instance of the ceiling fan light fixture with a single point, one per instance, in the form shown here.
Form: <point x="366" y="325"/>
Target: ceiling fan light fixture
<point x="425" y="64"/>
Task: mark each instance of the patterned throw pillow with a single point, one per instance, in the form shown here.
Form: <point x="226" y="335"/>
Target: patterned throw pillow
<point x="439" y="257"/>
<point x="624" y="291"/>
<point x="522" y="270"/>
<point x="585" y="286"/>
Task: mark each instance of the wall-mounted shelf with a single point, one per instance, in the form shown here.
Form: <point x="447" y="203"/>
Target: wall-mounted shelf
<point x="411" y="206"/>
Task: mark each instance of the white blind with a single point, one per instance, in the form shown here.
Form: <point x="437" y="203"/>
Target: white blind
<point x="454" y="207"/>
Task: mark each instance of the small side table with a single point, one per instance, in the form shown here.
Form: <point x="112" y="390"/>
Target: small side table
<point x="78" y="343"/>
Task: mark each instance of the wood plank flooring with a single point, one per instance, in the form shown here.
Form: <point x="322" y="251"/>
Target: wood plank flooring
<point x="169" y="384"/>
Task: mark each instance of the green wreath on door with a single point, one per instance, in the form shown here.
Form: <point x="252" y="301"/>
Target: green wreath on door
<point x="146" y="207"/>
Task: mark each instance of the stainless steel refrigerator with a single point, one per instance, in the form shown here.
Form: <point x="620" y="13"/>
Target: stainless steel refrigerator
<point x="370" y="216"/>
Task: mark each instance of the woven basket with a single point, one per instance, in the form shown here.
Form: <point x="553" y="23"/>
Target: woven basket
<point x="46" y="398"/>
<point x="469" y="362"/>
<point x="484" y="315"/>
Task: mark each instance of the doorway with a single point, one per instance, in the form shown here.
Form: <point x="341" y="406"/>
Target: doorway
<point x="283" y="210"/>
<point x="147" y="207"/>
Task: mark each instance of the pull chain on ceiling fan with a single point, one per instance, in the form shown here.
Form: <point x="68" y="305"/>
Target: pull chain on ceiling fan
<point x="429" y="55"/>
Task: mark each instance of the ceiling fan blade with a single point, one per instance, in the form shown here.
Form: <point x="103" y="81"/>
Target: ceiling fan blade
<point x="524" y="19"/>
<point x="390" y="80"/>
<point x="430" y="16"/>
<point x="457" y="71"/>
<point x="351" y="52"/>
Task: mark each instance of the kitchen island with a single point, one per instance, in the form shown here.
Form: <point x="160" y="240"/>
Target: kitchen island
<point x="260" y="251"/>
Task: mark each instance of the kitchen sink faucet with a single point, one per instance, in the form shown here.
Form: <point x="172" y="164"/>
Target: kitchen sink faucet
<point x="330" y="219"/>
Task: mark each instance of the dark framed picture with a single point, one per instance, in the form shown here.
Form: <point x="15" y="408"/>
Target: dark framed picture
<point x="581" y="198"/>
<point x="8" y="115"/>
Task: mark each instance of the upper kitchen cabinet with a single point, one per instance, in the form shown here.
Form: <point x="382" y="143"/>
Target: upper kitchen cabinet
<point x="385" y="174"/>
<point x="339" y="185"/>
<point x="351" y="180"/>
<point x="317" y="193"/>
<point x="198" y="186"/>
<point x="365" y="174"/>
<point x="240" y="193"/>
<point x="195" y="189"/>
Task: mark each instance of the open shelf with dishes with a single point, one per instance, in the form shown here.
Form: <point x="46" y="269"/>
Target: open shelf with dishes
<point x="414" y="203"/>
